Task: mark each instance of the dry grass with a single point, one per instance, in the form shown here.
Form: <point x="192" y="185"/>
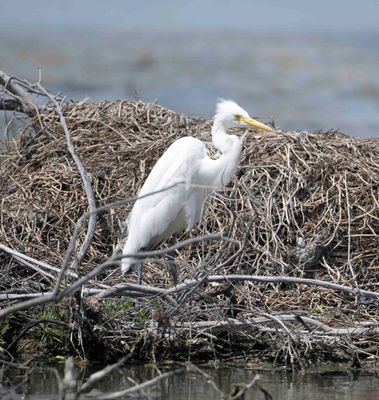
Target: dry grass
<point x="302" y="204"/>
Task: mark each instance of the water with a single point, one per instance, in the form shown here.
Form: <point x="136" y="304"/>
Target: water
<point x="318" y="384"/>
<point x="304" y="81"/>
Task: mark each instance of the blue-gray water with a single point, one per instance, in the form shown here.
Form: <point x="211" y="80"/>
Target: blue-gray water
<point x="304" y="81"/>
<point x="309" y="65"/>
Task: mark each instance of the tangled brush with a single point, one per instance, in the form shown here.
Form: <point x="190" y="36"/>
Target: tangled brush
<point x="302" y="205"/>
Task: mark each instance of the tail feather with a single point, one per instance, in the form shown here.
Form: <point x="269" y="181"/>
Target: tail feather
<point x="126" y="264"/>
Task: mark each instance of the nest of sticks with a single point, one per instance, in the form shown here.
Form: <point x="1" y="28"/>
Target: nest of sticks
<point x="303" y="210"/>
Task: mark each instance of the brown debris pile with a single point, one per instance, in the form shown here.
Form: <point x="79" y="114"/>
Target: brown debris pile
<point x="302" y="205"/>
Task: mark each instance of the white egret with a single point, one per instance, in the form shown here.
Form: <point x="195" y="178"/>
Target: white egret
<point x="156" y="218"/>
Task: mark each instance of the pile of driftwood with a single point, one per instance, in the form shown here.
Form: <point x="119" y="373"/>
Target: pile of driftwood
<point x="284" y="265"/>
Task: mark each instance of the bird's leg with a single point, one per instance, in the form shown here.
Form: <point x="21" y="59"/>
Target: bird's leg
<point x="172" y="262"/>
<point x="139" y="270"/>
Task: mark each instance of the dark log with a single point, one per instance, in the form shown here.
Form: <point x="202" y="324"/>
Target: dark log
<point x="10" y="105"/>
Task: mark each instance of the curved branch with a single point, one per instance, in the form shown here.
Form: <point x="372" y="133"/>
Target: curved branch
<point x="87" y="188"/>
<point x="29" y="103"/>
<point x="136" y="388"/>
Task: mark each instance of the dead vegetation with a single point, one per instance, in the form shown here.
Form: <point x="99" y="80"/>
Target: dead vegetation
<point x="283" y="267"/>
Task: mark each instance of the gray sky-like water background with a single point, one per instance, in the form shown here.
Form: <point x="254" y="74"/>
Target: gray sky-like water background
<point x="308" y="65"/>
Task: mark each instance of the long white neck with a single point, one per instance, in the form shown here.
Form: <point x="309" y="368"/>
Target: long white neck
<point x="220" y="171"/>
<point x="219" y="135"/>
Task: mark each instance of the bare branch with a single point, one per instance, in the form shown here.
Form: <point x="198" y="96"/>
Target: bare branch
<point x="44" y="299"/>
<point x="290" y="279"/>
<point x="142" y="254"/>
<point x="29" y="103"/>
<point x="57" y="296"/>
<point x="27" y="296"/>
<point x="87" y="188"/>
<point x="231" y="278"/>
<point x="238" y="389"/>
<point x="136" y="388"/>
<point x="42" y="264"/>
<point x="231" y="324"/>
<point x="193" y="368"/>
<point x="98" y="375"/>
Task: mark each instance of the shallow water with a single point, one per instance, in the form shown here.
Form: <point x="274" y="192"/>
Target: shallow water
<point x="303" y="81"/>
<point x="318" y="384"/>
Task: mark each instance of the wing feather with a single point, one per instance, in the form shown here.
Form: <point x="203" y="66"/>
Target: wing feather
<point x="173" y="210"/>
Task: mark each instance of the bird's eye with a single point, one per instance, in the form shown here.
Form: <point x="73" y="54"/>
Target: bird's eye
<point x="237" y="117"/>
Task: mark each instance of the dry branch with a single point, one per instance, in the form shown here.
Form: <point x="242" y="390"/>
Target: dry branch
<point x="134" y="389"/>
<point x="187" y="284"/>
<point x="98" y="375"/>
<point x="42" y="264"/>
<point x="87" y="189"/>
<point x="19" y="89"/>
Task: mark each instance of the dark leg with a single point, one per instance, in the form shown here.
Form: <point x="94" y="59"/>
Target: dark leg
<point x="172" y="262"/>
<point x="173" y="271"/>
<point x="139" y="270"/>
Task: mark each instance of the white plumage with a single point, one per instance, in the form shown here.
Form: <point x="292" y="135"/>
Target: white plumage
<point x="156" y="218"/>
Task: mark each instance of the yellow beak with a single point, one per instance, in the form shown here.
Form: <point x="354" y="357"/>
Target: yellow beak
<point x="256" y="124"/>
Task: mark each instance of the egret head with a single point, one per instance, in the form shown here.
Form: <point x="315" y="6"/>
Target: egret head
<point x="232" y="115"/>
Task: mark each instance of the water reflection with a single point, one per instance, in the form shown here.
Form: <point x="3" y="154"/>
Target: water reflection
<point x="43" y="383"/>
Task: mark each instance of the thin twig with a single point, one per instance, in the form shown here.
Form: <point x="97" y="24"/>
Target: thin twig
<point x="136" y="388"/>
<point x="98" y="375"/>
<point x="32" y="260"/>
<point x="87" y="188"/>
